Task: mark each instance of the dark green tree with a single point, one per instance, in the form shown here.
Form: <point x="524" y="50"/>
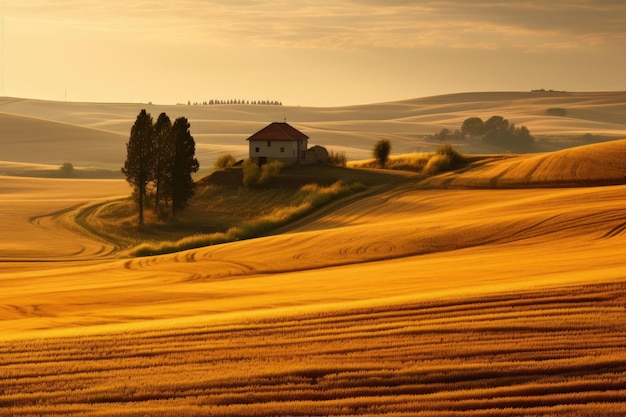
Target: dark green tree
<point x="510" y="137"/>
<point x="474" y="126"/>
<point x="67" y="170"/>
<point x="381" y="151"/>
<point x="524" y="136"/>
<point x="496" y="125"/>
<point x="184" y="164"/>
<point x="138" y="167"/>
<point x="163" y="154"/>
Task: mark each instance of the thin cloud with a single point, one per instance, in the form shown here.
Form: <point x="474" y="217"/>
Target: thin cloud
<point x="529" y="25"/>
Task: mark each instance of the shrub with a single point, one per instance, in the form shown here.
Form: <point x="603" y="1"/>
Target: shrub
<point x="337" y="158"/>
<point x="438" y="163"/>
<point x="269" y="171"/>
<point x="454" y="156"/>
<point x="446" y="158"/>
<point x="224" y="161"/>
<point x="255" y="175"/>
<point x="251" y="173"/>
<point x="381" y="151"/>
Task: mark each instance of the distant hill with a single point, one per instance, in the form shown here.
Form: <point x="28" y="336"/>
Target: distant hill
<point x="597" y="164"/>
<point x="32" y="140"/>
<point x="95" y="133"/>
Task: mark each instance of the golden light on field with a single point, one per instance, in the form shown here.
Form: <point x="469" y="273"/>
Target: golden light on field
<point x="415" y="298"/>
<point x="498" y="289"/>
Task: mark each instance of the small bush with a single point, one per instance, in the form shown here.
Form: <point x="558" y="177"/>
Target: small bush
<point x="269" y="171"/>
<point x="438" y="163"/>
<point x="224" y="161"/>
<point x="337" y="159"/>
<point x="454" y="156"/>
<point x="446" y="158"/>
<point x="251" y="173"/>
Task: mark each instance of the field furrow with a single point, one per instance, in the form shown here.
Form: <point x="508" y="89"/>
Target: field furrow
<point x="511" y="354"/>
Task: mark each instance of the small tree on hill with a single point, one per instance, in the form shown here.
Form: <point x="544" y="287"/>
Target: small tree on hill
<point x="184" y="164"/>
<point x="381" y="151"/>
<point x="67" y="170"/>
<point x="138" y="167"/>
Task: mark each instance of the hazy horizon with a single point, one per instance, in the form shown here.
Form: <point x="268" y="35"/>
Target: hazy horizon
<point x="305" y="53"/>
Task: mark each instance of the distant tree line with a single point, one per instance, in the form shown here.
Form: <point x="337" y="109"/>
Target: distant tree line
<point x="543" y="90"/>
<point x="161" y="156"/>
<point x="499" y="132"/>
<point x="495" y="131"/>
<point x="235" y="101"/>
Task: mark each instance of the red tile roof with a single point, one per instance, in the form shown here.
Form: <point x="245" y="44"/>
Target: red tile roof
<point x="278" y="131"/>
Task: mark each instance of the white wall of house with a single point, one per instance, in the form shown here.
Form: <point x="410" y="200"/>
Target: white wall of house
<point x="281" y="150"/>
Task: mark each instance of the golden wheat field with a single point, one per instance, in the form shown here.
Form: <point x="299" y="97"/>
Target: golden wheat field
<point x="495" y="290"/>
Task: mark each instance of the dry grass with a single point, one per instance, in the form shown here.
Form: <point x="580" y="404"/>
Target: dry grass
<point x="597" y="164"/>
<point x="307" y="199"/>
<point x="415" y="162"/>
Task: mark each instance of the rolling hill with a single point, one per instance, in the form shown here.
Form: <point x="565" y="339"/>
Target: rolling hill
<point x="597" y="164"/>
<point x="32" y="140"/>
<point x="352" y="129"/>
<point x="495" y="290"/>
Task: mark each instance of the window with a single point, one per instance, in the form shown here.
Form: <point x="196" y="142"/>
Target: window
<point x="269" y="143"/>
<point x="256" y="150"/>
<point x="282" y="149"/>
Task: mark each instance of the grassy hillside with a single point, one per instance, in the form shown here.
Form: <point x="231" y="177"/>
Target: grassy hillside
<point x="352" y="129"/>
<point x="598" y="164"/>
<point x="414" y="297"/>
<point x="224" y="210"/>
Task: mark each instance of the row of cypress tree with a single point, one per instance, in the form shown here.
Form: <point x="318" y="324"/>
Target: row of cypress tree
<point x="161" y="154"/>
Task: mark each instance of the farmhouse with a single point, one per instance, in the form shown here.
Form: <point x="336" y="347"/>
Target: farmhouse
<point x="278" y="141"/>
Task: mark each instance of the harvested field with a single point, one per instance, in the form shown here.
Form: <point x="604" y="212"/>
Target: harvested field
<point x="495" y="290"/>
<point x="556" y="351"/>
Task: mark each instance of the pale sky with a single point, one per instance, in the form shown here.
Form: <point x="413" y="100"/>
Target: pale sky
<point x="306" y="52"/>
